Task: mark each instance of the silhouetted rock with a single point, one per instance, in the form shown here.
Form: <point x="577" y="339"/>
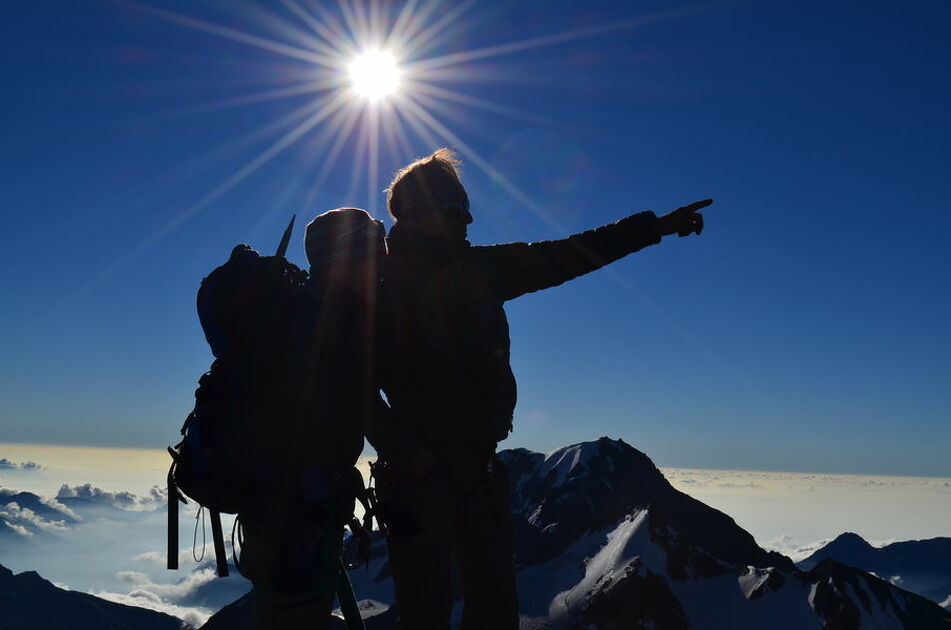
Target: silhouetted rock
<point x="28" y="602"/>
<point x="845" y="597"/>
<point x="920" y="566"/>
<point x="604" y="541"/>
<point x="588" y="486"/>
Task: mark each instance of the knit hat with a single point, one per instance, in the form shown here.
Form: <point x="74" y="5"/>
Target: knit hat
<point x="344" y="233"/>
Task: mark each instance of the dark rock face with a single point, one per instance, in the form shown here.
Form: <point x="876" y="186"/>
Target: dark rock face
<point x="920" y="566"/>
<point x="843" y="595"/>
<point x="589" y="486"/>
<point x="632" y="601"/>
<point x="238" y="616"/>
<point x="603" y="541"/>
<point x="28" y="602"/>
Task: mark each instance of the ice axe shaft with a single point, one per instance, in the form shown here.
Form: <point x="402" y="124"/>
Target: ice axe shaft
<point x="286" y="239"/>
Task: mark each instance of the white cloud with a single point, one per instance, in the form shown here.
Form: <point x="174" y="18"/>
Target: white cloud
<point x="23" y="531"/>
<point x="787" y="545"/>
<point x="946" y="603"/>
<point x="185" y="556"/>
<point x="170" y="592"/>
<point x="124" y="499"/>
<point x="194" y="617"/>
<point x="6" y="464"/>
<point x="25" y="516"/>
<point x="56" y="505"/>
<point x="165" y="598"/>
<point x="133" y="577"/>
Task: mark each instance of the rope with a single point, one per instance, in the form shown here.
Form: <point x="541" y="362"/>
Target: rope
<point x="198" y="517"/>
<point x="235" y="553"/>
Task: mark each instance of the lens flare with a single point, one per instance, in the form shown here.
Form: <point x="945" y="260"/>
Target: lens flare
<point x="374" y="75"/>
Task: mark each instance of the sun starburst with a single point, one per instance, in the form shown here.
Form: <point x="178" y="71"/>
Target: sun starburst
<point x="374" y="74"/>
<point x="375" y="84"/>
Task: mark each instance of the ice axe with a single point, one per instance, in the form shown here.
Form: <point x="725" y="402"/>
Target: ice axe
<point x="286" y="239"/>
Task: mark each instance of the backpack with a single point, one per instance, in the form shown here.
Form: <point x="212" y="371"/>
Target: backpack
<point x="240" y="306"/>
<point x="210" y="464"/>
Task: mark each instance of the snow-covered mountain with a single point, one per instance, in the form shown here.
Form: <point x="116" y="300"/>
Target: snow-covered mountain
<point x="604" y="541"/>
<point x="920" y="566"/>
<point x="28" y="602"/>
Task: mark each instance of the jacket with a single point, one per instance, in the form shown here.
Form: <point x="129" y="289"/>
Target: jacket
<point x="444" y="344"/>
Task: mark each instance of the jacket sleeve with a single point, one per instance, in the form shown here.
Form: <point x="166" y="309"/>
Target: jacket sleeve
<point x="514" y="269"/>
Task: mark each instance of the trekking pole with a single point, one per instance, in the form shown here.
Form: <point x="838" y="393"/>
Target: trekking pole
<point x="286" y="239"/>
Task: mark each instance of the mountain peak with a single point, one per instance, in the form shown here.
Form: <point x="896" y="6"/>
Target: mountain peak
<point x="603" y="456"/>
<point x="850" y="541"/>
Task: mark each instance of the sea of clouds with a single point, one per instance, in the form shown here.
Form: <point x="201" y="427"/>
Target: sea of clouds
<point x="110" y="541"/>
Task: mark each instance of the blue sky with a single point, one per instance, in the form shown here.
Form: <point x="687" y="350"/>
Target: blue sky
<point x="806" y="329"/>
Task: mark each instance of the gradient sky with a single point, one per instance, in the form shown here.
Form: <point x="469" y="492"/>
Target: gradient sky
<point x="805" y="330"/>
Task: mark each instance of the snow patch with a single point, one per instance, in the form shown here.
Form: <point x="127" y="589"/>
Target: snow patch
<point x="752" y="580"/>
<point x="628" y="540"/>
<point x="564" y="460"/>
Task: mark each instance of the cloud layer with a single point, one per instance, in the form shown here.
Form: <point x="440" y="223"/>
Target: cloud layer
<point x="124" y="500"/>
<point x="6" y="464"/>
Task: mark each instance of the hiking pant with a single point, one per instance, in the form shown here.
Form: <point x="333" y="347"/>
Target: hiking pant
<point x="432" y="523"/>
<point x="294" y="585"/>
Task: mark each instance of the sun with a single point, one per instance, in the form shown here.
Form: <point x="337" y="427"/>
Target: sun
<point x="374" y="75"/>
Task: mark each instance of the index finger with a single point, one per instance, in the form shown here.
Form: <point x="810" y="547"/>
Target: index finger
<point x="696" y="205"/>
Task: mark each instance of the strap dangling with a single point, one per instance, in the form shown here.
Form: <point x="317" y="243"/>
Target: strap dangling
<point x="172" y="562"/>
<point x="216" y="535"/>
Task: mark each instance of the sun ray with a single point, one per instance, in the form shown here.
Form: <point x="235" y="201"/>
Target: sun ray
<point x="309" y="87"/>
<point x="429" y="139"/>
<point x="213" y="195"/>
<point x="233" y="34"/>
<point x="338" y="32"/>
<point x="423" y="38"/>
<point x="330" y="38"/>
<point x="482" y="164"/>
<point x="417" y="22"/>
<point x="359" y="159"/>
<point x="396" y="140"/>
<point x="396" y="33"/>
<point x="353" y="21"/>
<point x="377" y="23"/>
<point x="191" y="167"/>
<point x="286" y="29"/>
<point x="373" y="149"/>
<point x="554" y="38"/>
<point x="418" y="87"/>
<point x="346" y="128"/>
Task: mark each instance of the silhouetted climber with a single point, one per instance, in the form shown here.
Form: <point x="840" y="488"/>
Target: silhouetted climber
<point x="317" y="353"/>
<point x="279" y="418"/>
<point x="446" y="374"/>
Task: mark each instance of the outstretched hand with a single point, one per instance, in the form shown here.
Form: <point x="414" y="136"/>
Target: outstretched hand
<point x="682" y="221"/>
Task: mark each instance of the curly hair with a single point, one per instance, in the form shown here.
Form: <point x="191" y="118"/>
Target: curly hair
<point x="413" y="185"/>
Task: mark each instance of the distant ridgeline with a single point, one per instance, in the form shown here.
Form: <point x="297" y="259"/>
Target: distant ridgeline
<point x="604" y="541"/>
<point x="28" y="602"/>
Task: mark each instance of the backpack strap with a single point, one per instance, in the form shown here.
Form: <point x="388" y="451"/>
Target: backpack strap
<point x="172" y="553"/>
<point x="219" y="540"/>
